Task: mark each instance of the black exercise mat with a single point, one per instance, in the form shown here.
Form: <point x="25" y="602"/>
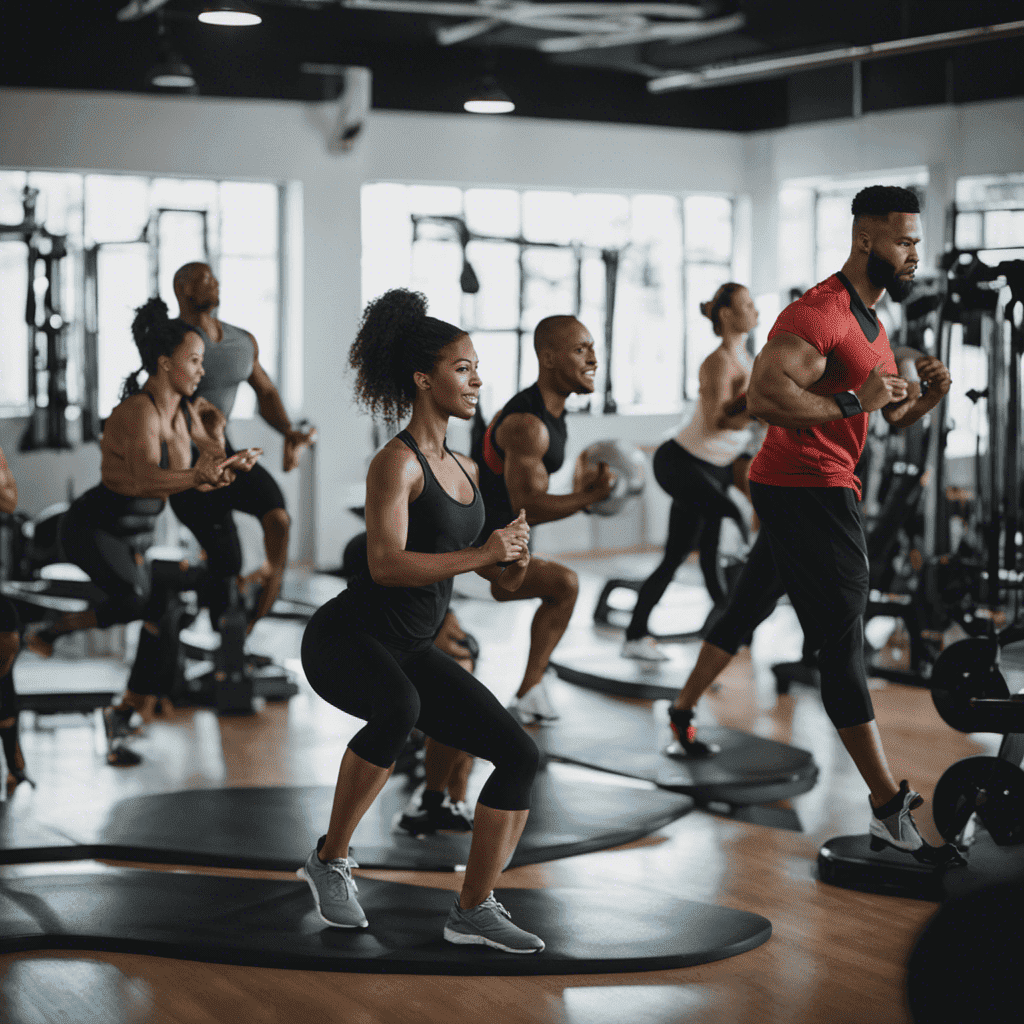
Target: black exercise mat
<point x="22" y="839"/>
<point x="628" y="739"/>
<point x="848" y="862"/>
<point x="274" y="924"/>
<point x="274" y="828"/>
<point x="594" y="663"/>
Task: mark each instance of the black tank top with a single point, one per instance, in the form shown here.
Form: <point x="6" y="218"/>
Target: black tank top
<point x="490" y="457"/>
<point x="409" y="618"/>
<point x="121" y="514"/>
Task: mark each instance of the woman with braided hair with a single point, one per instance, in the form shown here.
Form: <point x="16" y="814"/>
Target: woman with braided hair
<point x="146" y="452"/>
<point x="370" y="651"/>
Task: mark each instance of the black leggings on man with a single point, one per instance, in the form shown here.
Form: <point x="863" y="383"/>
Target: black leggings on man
<point x="699" y="503"/>
<point x="208" y="515"/>
<point x="811" y="546"/>
<point x="395" y="691"/>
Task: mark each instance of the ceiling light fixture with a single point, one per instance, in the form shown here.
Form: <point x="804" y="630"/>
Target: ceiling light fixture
<point x="233" y="14"/>
<point x="170" y="70"/>
<point x="487" y="97"/>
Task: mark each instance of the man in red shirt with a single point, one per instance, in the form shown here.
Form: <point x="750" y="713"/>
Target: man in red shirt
<point x="826" y="366"/>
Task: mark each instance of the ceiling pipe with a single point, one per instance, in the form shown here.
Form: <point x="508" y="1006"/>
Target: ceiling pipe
<point x="771" y="67"/>
<point x="645" y="34"/>
<point x="139" y="9"/>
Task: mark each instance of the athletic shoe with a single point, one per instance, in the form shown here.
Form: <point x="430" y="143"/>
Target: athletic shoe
<point x="534" y="708"/>
<point x="333" y="889"/>
<point x="489" y="924"/>
<point x="893" y="825"/>
<point x="644" y="649"/>
<point x="118" y="728"/>
<point x="423" y="818"/>
<point x="685" y="733"/>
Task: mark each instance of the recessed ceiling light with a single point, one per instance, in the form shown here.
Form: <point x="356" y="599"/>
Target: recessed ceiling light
<point x="233" y="14"/>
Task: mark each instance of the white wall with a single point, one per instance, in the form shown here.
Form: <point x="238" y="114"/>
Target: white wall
<point x="285" y="142"/>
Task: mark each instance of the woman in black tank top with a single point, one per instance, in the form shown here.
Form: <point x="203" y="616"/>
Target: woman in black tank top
<point x="370" y="651"/>
<point x="146" y="452"/>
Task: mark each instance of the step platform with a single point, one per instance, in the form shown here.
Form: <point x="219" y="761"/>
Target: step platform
<point x="848" y="862"/>
<point x="628" y="739"/>
<point x="274" y="828"/>
<point x="274" y="924"/>
<point x="594" y="663"/>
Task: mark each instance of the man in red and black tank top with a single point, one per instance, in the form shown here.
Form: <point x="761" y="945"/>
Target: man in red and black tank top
<point x="523" y="445"/>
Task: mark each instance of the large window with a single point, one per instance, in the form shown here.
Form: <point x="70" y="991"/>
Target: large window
<point x="990" y="216"/>
<point x="988" y="219"/>
<point x="125" y="237"/>
<point x="497" y="261"/>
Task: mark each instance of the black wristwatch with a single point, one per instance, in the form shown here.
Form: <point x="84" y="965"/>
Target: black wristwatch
<point x="849" y="404"/>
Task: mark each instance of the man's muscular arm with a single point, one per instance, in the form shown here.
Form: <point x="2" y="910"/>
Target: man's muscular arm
<point x="918" y="402"/>
<point x="525" y="441"/>
<point x="784" y="371"/>
<point x="271" y="408"/>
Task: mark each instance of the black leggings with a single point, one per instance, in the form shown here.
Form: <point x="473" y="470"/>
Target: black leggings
<point x="818" y="549"/>
<point x="699" y="503"/>
<point x="395" y="691"/>
<point x="8" y="624"/>
<point x="208" y="515"/>
<point x="114" y="562"/>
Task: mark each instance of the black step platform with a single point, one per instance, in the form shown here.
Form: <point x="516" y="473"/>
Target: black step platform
<point x="848" y="862"/>
<point x="274" y="924"/>
<point x="628" y="739"/>
<point x="274" y="828"/>
<point x="595" y="664"/>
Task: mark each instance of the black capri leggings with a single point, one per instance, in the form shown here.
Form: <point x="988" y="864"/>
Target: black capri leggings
<point x="395" y="691"/>
<point x="115" y="562"/>
<point x="207" y="514"/>
<point x="699" y="503"/>
<point x="818" y="547"/>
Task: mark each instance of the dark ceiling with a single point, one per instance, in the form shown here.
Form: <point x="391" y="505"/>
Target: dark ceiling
<point x="71" y="44"/>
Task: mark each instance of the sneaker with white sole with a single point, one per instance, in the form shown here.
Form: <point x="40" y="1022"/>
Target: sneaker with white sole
<point x="534" y="708"/>
<point x="893" y="825"/>
<point x="333" y="889"/>
<point x="489" y="924"/>
<point x="644" y="649"/>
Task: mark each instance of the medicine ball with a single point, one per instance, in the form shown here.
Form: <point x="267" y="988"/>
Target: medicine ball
<point x="627" y="466"/>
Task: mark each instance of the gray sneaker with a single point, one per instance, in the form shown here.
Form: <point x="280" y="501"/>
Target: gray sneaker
<point x="489" y="924"/>
<point x="334" y="889"/>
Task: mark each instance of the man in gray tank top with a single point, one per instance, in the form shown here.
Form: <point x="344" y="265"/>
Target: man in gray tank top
<point x="231" y="356"/>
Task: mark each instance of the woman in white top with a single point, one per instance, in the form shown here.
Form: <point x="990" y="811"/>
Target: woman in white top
<point x="695" y="468"/>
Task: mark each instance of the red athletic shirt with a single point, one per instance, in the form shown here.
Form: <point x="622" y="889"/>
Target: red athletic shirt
<point x="834" y="319"/>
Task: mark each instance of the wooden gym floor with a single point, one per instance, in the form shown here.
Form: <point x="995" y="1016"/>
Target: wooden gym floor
<point x="835" y="956"/>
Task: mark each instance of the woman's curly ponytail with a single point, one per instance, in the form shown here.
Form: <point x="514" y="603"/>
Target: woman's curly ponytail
<point x="396" y="339"/>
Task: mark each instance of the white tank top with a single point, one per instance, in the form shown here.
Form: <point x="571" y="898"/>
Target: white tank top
<point x="717" y="447"/>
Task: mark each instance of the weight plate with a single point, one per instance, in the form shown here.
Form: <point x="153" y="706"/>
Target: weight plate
<point x="964" y="670"/>
<point x="989" y="786"/>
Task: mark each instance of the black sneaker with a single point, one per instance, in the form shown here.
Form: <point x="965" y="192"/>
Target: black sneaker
<point x="425" y="815"/>
<point x="687" y="745"/>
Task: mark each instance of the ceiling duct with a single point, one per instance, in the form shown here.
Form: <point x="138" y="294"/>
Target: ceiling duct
<point x="772" y="67"/>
